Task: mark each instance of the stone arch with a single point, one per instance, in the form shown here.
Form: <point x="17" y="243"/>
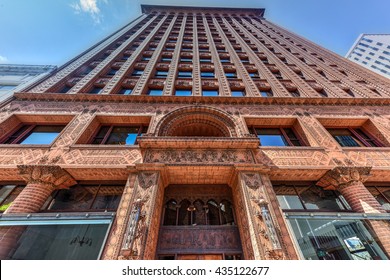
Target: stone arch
<point x="197" y="121"/>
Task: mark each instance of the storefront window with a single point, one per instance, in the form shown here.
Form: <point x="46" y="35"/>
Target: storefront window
<point x="335" y="239"/>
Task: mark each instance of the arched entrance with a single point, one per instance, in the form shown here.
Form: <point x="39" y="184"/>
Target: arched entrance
<point x="198" y="223"/>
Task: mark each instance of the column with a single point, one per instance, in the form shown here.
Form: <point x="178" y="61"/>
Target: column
<point x="349" y="182"/>
<point x="135" y="231"/>
<point x="41" y="180"/>
<point x="259" y="231"/>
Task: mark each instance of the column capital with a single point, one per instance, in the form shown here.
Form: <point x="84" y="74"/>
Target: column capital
<point x="52" y="175"/>
<point x="344" y="176"/>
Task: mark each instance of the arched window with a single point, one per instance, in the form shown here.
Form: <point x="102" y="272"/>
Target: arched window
<point x="185" y="213"/>
<point x="170" y="216"/>
<point x="213" y="213"/>
<point x="227" y="217"/>
<point x="199" y="215"/>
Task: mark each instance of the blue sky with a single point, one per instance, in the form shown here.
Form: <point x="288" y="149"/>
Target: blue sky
<point x="54" y="31"/>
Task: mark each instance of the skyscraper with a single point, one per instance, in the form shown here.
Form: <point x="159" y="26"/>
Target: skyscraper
<point x="373" y="52"/>
<point x="198" y="133"/>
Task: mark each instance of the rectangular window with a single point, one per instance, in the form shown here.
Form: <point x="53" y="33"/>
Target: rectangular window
<point x="137" y="73"/>
<point x="125" y="91"/>
<point x="161" y="74"/>
<point x="96" y="90"/>
<point x="185" y="59"/>
<point x="238" y="93"/>
<point x="266" y="93"/>
<point x="205" y="60"/>
<point x="210" y="93"/>
<point x="166" y="59"/>
<point x="184" y="74"/>
<point x="207" y="74"/>
<point x="277" y="137"/>
<point x="94" y="197"/>
<point x="231" y="75"/>
<point x="183" y="92"/>
<point x="118" y="135"/>
<point x="35" y="134"/>
<point x="352" y="137"/>
<point x="225" y="60"/>
<point x="112" y="72"/>
<point x="155" y="92"/>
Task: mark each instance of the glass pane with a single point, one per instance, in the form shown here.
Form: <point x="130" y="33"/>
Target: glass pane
<point x="125" y="91"/>
<point x="384" y="199"/>
<point x="108" y="198"/>
<point x="155" y="92"/>
<point x="42" y="134"/>
<point x="8" y="197"/>
<point x="317" y="198"/>
<point x="210" y="93"/>
<point x="123" y="135"/>
<point x="207" y="74"/>
<point x="101" y="134"/>
<point x="183" y="93"/>
<point x="328" y="239"/>
<point x="287" y="197"/>
<point x="170" y="213"/>
<point x="73" y="199"/>
<point x="19" y="132"/>
<point x="271" y="137"/>
<point x="238" y="93"/>
<point x="345" y="138"/>
<point x="59" y="242"/>
<point x="291" y="135"/>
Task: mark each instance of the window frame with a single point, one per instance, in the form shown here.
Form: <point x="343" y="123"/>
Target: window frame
<point x="27" y="132"/>
<point x="301" y="141"/>
<point x="108" y="133"/>
<point x="359" y="137"/>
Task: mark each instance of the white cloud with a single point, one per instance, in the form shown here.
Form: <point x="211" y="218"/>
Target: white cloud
<point x="90" y="7"/>
<point x="3" y="59"/>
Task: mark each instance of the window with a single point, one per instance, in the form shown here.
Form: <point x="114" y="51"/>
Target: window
<point x="185" y="59"/>
<point x="382" y="195"/>
<point x="161" y="74"/>
<point x="210" y="93"/>
<point x="125" y="91"/>
<point x="166" y="59"/>
<point x="231" y="75"/>
<point x="112" y="72"/>
<point x="155" y="92"/>
<point x="85" y="198"/>
<point x="65" y="89"/>
<point x="7" y="195"/>
<point x="353" y="137"/>
<point x="7" y="87"/>
<point x="309" y="197"/>
<point x="207" y="74"/>
<point x="183" y="92"/>
<point x="238" y="93"/>
<point x="137" y="73"/>
<point x="277" y="137"/>
<point x="96" y="90"/>
<point x="145" y="58"/>
<point x="266" y="93"/>
<point x="182" y="74"/>
<point x="118" y="135"/>
<point x="254" y="75"/>
<point x="34" y="134"/>
<point x="224" y="60"/>
<point x="205" y="60"/>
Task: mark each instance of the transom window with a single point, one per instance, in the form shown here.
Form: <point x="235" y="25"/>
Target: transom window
<point x="30" y="134"/>
<point x="309" y="197"/>
<point x="85" y="198"/>
<point x="118" y="135"/>
<point x="277" y="137"/>
<point x="353" y="137"/>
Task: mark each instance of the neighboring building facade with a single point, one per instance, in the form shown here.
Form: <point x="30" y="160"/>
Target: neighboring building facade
<point x="198" y="133"/>
<point x="14" y="77"/>
<point x="373" y="52"/>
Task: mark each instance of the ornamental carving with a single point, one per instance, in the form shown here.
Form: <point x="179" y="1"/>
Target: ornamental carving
<point x="252" y="180"/>
<point x="211" y="156"/>
<point x="46" y="174"/>
<point x="147" y="180"/>
<point x="344" y="176"/>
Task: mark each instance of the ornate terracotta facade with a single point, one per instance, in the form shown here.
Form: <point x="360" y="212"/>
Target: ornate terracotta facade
<point x="201" y="141"/>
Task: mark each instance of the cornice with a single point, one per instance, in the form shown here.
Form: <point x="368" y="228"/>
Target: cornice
<point x="199" y="100"/>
